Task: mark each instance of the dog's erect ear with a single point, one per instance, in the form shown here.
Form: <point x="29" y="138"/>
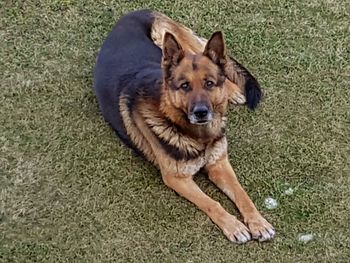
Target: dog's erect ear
<point x="216" y="48"/>
<point x="172" y="51"/>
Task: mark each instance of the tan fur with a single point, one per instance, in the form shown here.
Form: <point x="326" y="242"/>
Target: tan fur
<point x="222" y="174"/>
<point x="186" y="37"/>
<point x="134" y="132"/>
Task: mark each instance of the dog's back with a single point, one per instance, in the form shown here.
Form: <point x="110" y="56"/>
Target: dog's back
<point x="129" y="64"/>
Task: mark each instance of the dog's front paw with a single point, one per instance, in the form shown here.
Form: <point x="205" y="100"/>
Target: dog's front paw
<point x="234" y="230"/>
<point x="260" y="228"/>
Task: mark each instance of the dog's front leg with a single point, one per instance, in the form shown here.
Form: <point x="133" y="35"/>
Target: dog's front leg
<point x="185" y="186"/>
<point x="222" y="174"/>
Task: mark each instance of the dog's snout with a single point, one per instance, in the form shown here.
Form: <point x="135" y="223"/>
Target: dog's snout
<point x="201" y="111"/>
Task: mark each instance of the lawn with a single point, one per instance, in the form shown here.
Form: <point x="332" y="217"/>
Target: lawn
<point x="71" y="192"/>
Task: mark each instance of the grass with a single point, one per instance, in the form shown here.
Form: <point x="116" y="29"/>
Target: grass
<point x="70" y="192"/>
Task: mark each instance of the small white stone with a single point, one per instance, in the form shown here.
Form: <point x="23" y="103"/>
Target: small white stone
<point x="270" y="203"/>
<point x="289" y="191"/>
<point x="305" y="237"/>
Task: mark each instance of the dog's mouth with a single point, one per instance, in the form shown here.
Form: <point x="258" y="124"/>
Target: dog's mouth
<point x="200" y="120"/>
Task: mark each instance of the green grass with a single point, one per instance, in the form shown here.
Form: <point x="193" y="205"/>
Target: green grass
<point x="70" y="192"/>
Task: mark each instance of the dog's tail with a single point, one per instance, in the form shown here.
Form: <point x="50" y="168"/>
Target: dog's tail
<point x="243" y="87"/>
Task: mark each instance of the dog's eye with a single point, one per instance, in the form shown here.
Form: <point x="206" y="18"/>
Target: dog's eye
<point x="185" y="86"/>
<point x="209" y="84"/>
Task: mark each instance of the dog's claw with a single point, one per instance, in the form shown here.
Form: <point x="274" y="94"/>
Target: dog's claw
<point x="266" y="235"/>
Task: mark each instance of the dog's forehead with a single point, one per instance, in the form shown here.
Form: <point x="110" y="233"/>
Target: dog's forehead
<point x="197" y="66"/>
<point x="202" y="62"/>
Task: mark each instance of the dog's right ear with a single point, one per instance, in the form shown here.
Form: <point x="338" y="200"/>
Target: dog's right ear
<point x="172" y="52"/>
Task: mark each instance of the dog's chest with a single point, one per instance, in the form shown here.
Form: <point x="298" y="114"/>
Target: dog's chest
<point x="211" y="154"/>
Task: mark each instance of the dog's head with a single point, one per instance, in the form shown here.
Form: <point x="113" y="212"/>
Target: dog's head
<point x="194" y="82"/>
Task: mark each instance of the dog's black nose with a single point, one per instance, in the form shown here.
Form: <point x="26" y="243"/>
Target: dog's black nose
<point x="201" y="111"/>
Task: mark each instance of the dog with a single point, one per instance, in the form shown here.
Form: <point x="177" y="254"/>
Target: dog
<point x="166" y="92"/>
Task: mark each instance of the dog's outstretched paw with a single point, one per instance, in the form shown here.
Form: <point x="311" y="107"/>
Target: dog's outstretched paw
<point x="260" y="229"/>
<point x="235" y="230"/>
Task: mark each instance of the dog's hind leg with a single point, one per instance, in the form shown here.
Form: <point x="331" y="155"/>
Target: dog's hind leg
<point x="188" y="40"/>
<point x="222" y="174"/>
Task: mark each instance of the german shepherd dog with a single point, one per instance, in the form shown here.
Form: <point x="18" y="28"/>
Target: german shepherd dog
<point x="166" y="91"/>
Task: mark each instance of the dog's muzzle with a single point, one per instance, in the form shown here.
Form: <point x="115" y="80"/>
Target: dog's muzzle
<point x="200" y="114"/>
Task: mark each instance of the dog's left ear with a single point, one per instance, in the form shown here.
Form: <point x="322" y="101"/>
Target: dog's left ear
<point x="216" y="49"/>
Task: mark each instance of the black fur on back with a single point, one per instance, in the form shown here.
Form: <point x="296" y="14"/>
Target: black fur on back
<point x="129" y="63"/>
